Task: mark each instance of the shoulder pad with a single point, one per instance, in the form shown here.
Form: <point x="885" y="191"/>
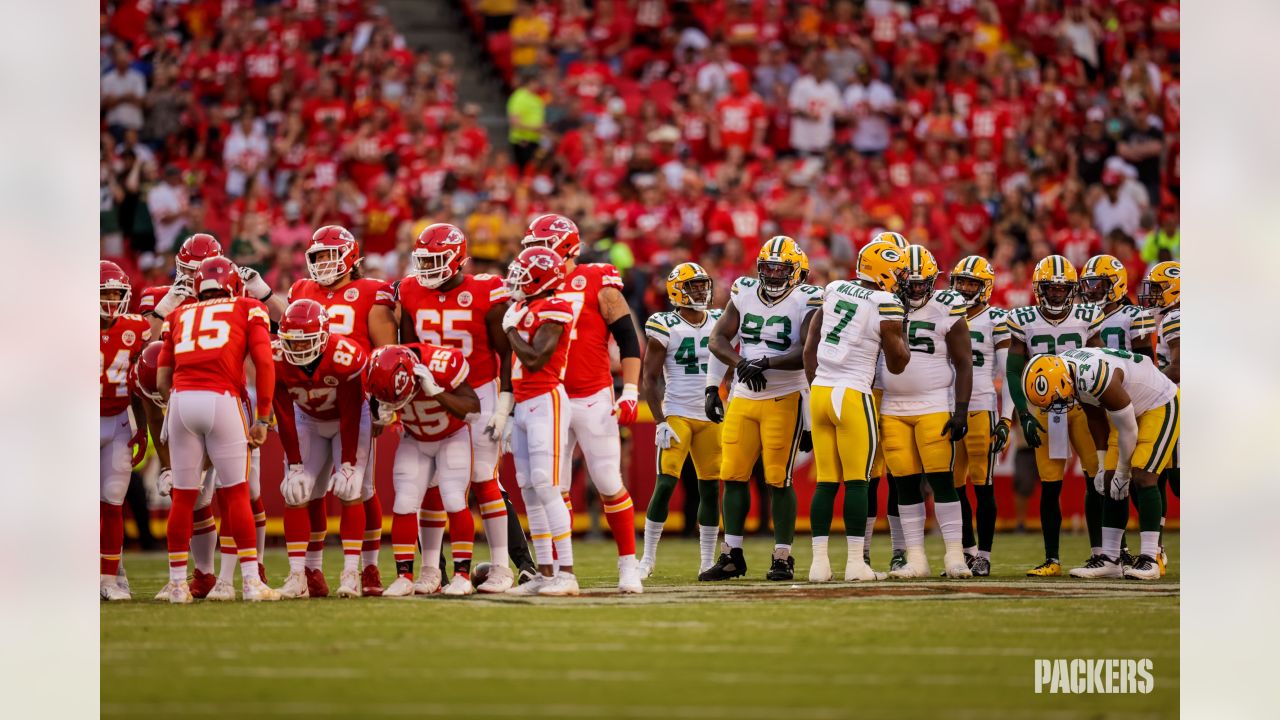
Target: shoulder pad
<point x="715" y="314"/>
<point x="742" y="283"/>
<point x="484" y="277"/>
<point x="951" y="299"/>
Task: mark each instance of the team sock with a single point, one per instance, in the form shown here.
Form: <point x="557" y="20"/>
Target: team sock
<point x="620" y="513"/>
<point x="737" y="503"/>
<point x="784" y="514"/>
<point x="1093" y="512"/>
<point x="431" y="522"/>
<point x="950" y="524"/>
<point x="539" y="531"/>
<point x="462" y="537"/>
<point x="895" y="518"/>
<point x="966" y="518"/>
<point x="820" y="545"/>
<point x="404" y="541"/>
<point x="707" y="535"/>
<point x="1149" y="511"/>
<point x="985" y="517"/>
<point x="229" y="557"/>
<point x="204" y="539"/>
<point x="1162" y="482"/>
<point x="912" y="516"/>
<point x="1050" y="517"/>
<point x="236" y="509"/>
<point x="822" y="508"/>
<point x="652" y="535"/>
<point x="873" y="497"/>
<point x="732" y="541"/>
<point x="661" y="498"/>
<point x="493" y="516"/>
<point x="709" y="503"/>
<point x="559" y="524"/>
<point x="372" y="532"/>
<point x="178" y="532"/>
<point x="319" y="516"/>
<point x="351" y="530"/>
<point x="259" y="524"/>
<point x="855" y="507"/>
<point x="297" y="531"/>
<point x="110" y="538"/>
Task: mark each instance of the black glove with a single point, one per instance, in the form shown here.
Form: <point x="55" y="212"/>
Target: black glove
<point x="713" y="406"/>
<point x="1001" y="436"/>
<point x="806" y="441"/>
<point x="751" y="373"/>
<point x="1031" y="428"/>
<point x="957" y="426"/>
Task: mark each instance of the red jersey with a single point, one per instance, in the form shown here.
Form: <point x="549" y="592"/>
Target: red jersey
<point x="424" y="418"/>
<point x="588" y="369"/>
<point x="456" y="318"/>
<point x="554" y="309"/>
<point x="121" y="345"/>
<point x="206" y="343"/>
<point x="737" y="119"/>
<point x="331" y="390"/>
<point x="348" y="306"/>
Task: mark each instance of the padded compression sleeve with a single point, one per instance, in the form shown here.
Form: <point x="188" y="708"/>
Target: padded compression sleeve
<point x="624" y="332"/>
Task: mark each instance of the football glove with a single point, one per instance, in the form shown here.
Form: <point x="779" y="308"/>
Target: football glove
<point x="346" y="482"/>
<point x="957" y="426"/>
<point x="1100" y="481"/>
<point x="178" y="292"/>
<point x="664" y="435"/>
<point x="254" y="286"/>
<point x="625" y="408"/>
<point x="515" y="313"/>
<point x="164" y="483"/>
<point x="751" y="373"/>
<point x="138" y="445"/>
<point x="296" y="487"/>
<point x="713" y="406"/>
<point x="1119" y="486"/>
<point x="427" y="380"/>
<point x="806" y="441"/>
<point x="501" y="413"/>
<point x="1001" y="436"/>
<point x="1031" y="428"/>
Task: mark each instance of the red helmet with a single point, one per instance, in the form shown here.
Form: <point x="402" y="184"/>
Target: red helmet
<point x="534" y="271"/>
<point x="389" y="378"/>
<point x="200" y="246"/>
<point x="144" y="372"/>
<point x="333" y="253"/>
<point x="218" y="274"/>
<point x="439" y="254"/>
<point x="304" y="331"/>
<point x="112" y="279"/>
<point x="556" y="232"/>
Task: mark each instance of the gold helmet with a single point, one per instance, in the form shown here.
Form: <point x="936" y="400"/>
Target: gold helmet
<point x="1048" y="384"/>
<point x="1103" y="279"/>
<point x="891" y="237"/>
<point x="689" y="286"/>
<point x="883" y="264"/>
<point x="974" y="268"/>
<point x="804" y="268"/>
<point x="1054" y="283"/>
<point x="778" y="265"/>
<point x="922" y="275"/>
<point x="1163" y="286"/>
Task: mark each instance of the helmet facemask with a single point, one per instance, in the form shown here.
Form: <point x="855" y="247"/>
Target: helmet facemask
<point x="327" y="265"/>
<point x="518" y="277"/>
<point x="433" y="269"/>
<point x="113" y="299"/>
<point x="303" y="348"/>
<point x="916" y="291"/>
<point x="1096" y="288"/>
<point x="697" y="293"/>
<point x="1151" y="294"/>
<point x="775" y="277"/>
<point x="969" y="287"/>
<point x="1055" y="297"/>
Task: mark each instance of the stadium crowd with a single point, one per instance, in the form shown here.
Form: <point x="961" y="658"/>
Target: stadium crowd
<point x="671" y="130"/>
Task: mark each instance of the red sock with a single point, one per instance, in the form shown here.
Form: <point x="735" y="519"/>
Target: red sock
<point x="621" y="515"/>
<point x="202" y="520"/>
<point x="297" y="533"/>
<point x="319" y="515"/>
<point x="352" y="529"/>
<point x="372" y="524"/>
<point x="259" y="513"/>
<point x="111" y="537"/>
<point x="238" y="516"/>
<point x="489" y="497"/>
<point x="404" y="536"/>
<point x="462" y="536"/>
<point x="178" y="532"/>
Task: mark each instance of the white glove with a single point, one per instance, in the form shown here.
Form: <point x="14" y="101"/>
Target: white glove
<point x="164" y="483"/>
<point x="427" y="380"/>
<point x="663" y="436"/>
<point x="514" y="315"/>
<point x="346" y="481"/>
<point x="178" y="292"/>
<point x="501" y="412"/>
<point x="1100" y="481"/>
<point x="385" y="415"/>
<point x="296" y="486"/>
<point x="254" y="286"/>
<point x="1120" y="486"/>
<point x="504" y="445"/>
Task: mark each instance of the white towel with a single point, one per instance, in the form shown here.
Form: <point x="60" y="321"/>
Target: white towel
<point x="1059" y="440"/>
<point x="837" y="399"/>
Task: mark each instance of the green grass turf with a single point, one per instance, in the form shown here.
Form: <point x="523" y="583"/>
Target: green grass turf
<point x="739" y="650"/>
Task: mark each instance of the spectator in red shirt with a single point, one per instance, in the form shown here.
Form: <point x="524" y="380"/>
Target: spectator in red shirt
<point x="740" y="120"/>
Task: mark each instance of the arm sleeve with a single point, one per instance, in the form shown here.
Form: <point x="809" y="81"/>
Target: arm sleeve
<point x="285" y="425"/>
<point x="1013" y="380"/>
<point x="715" y="370"/>
<point x="623" y="331"/>
<point x="265" y="367"/>
<point x="1006" y="400"/>
<point x="1126" y="425"/>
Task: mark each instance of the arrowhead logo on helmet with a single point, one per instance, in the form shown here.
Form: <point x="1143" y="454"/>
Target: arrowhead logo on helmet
<point x="438" y="254"/>
<point x="535" y="270"/>
<point x="332" y="255"/>
<point x="218" y="275"/>
<point x="556" y="232"/>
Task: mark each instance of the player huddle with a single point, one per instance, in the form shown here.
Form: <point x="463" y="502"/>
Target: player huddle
<point x="880" y="372"/>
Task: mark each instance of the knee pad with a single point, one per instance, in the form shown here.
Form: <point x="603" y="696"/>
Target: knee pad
<point x="114" y="487"/>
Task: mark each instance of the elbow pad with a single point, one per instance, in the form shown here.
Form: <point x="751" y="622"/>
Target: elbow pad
<point x="623" y="331"/>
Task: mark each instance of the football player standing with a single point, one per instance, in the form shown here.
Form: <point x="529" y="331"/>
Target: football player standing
<point x="1161" y="291"/>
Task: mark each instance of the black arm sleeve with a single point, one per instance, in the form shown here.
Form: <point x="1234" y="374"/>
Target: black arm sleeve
<point x="623" y="331"/>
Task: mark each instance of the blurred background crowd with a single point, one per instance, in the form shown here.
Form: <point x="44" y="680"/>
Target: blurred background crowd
<point x="668" y="130"/>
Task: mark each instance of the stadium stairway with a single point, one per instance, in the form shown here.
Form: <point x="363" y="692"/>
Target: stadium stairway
<point x="436" y="25"/>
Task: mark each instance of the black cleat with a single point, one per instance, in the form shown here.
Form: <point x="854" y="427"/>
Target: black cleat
<point x="1126" y="559"/>
<point x="782" y="570"/>
<point x="526" y="574"/>
<point x="898" y="561"/>
<point x="980" y="566"/>
<point x="730" y="565"/>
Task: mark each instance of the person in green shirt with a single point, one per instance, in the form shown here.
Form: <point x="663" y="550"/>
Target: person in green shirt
<point x="1166" y="237"/>
<point x="526" y="114"/>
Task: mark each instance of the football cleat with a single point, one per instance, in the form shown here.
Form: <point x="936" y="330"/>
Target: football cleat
<point x="253" y="590"/>
<point x="112" y="592"/>
<point x="981" y="566"/>
<point x="1048" y="568"/>
<point x="532" y="586"/>
<point x="781" y="569"/>
<point x="163" y="595"/>
<point x="645" y="569"/>
<point x="402" y="586"/>
<point x="1098" y="566"/>
<point x="222" y="591"/>
<point x="916" y="565"/>
<point x="820" y="568"/>
<point x="122" y="581"/>
<point x="428" y="581"/>
<point x="562" y="585"/>
<point x="898" y="561"/>
<point x="1126" y="558"/>
<point x="1162" y="558"/>
<point x="371" y="579"/>
<point x="1144" y="567"/>
<point x="855" y="571"/>
<point x="349" y="584"/>
<point x="730" y="565"/>
<point x="957" y="565"/>
<point x="317" y="586"/>
<point x="179" y="593"/>
<point x="500" y="580"/>
<point x="295" y="585"/>
<point x="527" y="573"/>
<point x="459" y="585"/>
<point x="202" y="583"/>
<point x="628" y="576"/>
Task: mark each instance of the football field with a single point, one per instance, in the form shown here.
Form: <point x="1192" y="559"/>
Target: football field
<point x="739" y="650"/>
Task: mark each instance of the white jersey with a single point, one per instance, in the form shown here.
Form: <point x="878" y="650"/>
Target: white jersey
<point x="986" y="329"/>
<point x="1093" y="371"/>
<point x="769" y="329"/>
<point x="1125" y="329"/>
<point x="849" y="345"/>
<point x="1170" y="329"/>
<point x="1028" y="325"/>
<point x="685" y="367"/>
<point x="925" y="386"/>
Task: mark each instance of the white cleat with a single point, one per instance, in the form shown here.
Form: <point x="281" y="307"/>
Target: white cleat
<point x="163" y="595"/>
<point x="112" y="592"/>
<point x="820" y="568"/>
<point x="1144" y="567"/>
<point x="222" y="591"/>
<point x="349" y="584"/>
<point x="645" y="568"/>
<point x="857" y="570"/>
<point x="955" y="565"/>
<point x="178" y="593"/>
<point x="917" y="565"/>
<point x="254" y="590"/>
<point x="628" y="577"/>
<point x="459" y="586"/>
<point x="122" y="582"/>
<point x="562" y="585"/>
<point x="532" y="587"/>
<point x="295" y="586"/>
<point x="401" y="587"/>
<point x="500" y="580"/>
<point x="428" y="581"/>
<point x="1098" y="566"/>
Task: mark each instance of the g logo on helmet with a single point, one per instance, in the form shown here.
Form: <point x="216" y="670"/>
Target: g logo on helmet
<point x="1173" y="272"/>
<point x="890" y="254"/>
<point x="1042" y="385"/>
